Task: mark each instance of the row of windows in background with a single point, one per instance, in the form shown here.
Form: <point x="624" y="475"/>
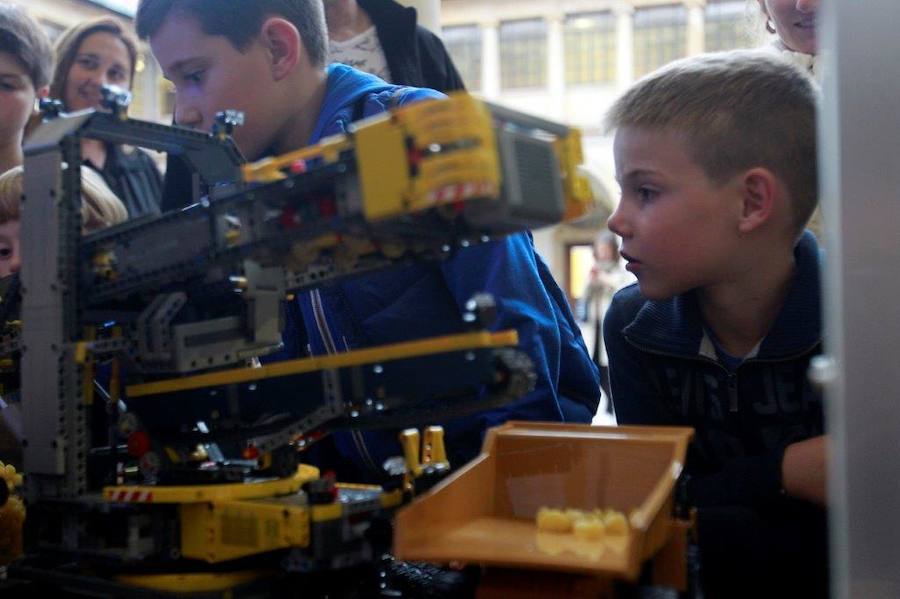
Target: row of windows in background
<point x="659" y="36"/>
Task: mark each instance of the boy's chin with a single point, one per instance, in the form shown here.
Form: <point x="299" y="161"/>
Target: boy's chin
<point x="656" y="292"/>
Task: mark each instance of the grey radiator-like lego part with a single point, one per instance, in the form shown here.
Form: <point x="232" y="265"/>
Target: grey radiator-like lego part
<point x="54" y="419"/>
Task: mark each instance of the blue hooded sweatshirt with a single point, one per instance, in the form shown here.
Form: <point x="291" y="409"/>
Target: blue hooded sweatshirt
<point x="427" y="299"/>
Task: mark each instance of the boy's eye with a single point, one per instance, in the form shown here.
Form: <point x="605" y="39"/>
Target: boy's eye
<point x="194" y="77"/>
<point x="646" y="194"/>
<point x="11" y="84"/>
<point x="5" y="253"/>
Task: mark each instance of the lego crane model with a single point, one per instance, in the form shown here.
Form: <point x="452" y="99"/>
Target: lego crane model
<point x="154" y="325"/>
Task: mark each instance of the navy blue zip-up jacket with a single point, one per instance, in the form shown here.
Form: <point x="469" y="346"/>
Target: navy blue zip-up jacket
<point x="427" y="299"/>
<point x="663" y="370"/>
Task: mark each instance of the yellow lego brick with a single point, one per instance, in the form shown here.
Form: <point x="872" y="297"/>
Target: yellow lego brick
<point x="576" y="188"/>
<point x="194" y="582"/>
<point x="273" y="169"/>
<point x="328" y="511"/>
<point x="81" y="350"/>
<point x="383" y="168"/>
<point x="392" y="499"/>
<point x="225" y="530"/>
<point x="409" y="441"/>
<point x="433" y="450"/>
<point x="172" y="455"/>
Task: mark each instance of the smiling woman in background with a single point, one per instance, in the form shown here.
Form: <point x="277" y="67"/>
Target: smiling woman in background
<point x="95" y="53"/>
<point x="794" y="23"/>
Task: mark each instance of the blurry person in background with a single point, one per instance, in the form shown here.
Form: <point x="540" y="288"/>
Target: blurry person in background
<point x="607" y="276"/>
<point x="90" y="55"/>
<point x="25" y="63"/>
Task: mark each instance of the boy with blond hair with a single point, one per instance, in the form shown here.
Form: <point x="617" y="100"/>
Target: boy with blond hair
<point x="716" y="158"/>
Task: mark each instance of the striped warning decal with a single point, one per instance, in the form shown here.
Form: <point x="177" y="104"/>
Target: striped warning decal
<point x="461" y="191"/>
<point x="126" y="496"/>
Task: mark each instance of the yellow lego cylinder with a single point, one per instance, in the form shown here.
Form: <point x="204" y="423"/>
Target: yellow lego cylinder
<point x="409" y="440"/>
<point x="433" y="450"/>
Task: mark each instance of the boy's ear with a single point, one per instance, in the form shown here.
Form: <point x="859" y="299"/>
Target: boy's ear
<point x="282" y="41"/>
<point x="760" y="190"/>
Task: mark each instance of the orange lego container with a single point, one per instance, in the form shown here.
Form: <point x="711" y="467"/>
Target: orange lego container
<point x="485" y="512"/>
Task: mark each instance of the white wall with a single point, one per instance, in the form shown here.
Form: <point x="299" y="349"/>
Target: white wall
<point x="860" y="174"/>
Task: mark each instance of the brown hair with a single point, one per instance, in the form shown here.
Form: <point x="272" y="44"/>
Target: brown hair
<point x="70" y="41"/>
<point x="23" y="39"/>
<point x="240" y="22"/>
<point x="736" y="110"/>
<point x="100" y="208"/>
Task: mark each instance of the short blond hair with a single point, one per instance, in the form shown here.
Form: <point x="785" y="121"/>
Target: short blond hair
<point x="737" y="110"/>
<point x="100" y="208"/>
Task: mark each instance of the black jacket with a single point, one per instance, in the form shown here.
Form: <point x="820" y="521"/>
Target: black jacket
<point x="663" y="372"/>
<point x="754" y="540"/>
<point x="415" y="56"/>
<point x="132" y="175"/>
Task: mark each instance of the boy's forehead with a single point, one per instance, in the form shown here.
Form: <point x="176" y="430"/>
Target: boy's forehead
<point x="180" y="38"/>
<point x="639" y="148"/>
<point x="645" y="135"/>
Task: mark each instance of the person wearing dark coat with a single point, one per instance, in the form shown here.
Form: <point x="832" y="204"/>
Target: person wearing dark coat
<point x="415" y="56"/>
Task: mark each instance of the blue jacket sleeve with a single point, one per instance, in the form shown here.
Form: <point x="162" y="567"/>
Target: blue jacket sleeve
<point x="567" y="385"/>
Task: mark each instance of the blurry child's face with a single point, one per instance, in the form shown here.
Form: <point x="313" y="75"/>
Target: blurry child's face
<point x="210" y="75"/>
<point x="17" y="97"/>
<point x="794" y="21"/>
<point x="9" y="248"/>
<point x="102" y="59"/>
<point x="677" y="226"/>
<point x="604" y="252"/>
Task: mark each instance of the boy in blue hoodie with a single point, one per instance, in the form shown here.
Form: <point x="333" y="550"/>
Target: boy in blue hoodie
<point x="267" y="59"/>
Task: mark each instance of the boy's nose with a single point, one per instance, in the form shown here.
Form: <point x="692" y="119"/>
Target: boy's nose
<point x="15" y="263"/>
<point x="187" y="116"/>
<point x="617" y="222"/>
<point x="808" y="5"/>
